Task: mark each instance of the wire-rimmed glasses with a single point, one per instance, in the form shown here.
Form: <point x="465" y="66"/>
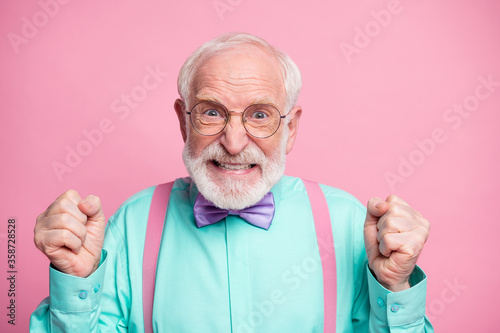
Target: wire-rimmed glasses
<point x="260" y="120"/>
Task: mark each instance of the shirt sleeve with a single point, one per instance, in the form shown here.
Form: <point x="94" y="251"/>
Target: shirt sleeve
<point x="74" y="303"/>
<point x="375" y="308"/>
<point x="402" y="311"/>
<point x="99" y="303"/>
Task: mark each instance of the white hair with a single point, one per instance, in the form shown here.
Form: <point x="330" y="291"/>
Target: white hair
<point x="289" y="70"/>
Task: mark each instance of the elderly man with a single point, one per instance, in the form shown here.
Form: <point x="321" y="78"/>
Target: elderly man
<point x="242" y="247"/>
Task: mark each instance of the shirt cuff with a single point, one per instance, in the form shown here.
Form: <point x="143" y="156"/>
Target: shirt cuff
<point x="399" y="308"/>
<point x="72" y="293"/>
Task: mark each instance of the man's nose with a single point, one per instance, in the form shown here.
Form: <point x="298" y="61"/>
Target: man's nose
<point x="234" y="137"/>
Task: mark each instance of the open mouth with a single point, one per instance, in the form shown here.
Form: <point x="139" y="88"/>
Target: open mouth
<point x="228" y="166"/>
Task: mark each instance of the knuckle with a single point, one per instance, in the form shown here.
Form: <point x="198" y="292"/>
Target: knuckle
<point x="424" y="234"/>
<point x="65" y="204"/>
<point x="66" y="219"/>
<point x="372" y="202"/>
<point x="392" y="198"/>
<point x="422" y="240"/>
<point x="94" y="199"/>
<point x="391" y="211"/>
<point x="81" y="231"/>
<point x="385" y="238"/>
<point x="83" y="235"/>
<point x="36" y="228"/>
<point x="413" y="252"/>
<point x="41" y="240"/>
<point x="397" y="210"/>
<point x="417" y="238"/>
<point x="50" y="206"/>
<point x="37" y="240"/>
<point x="417" y="241"/>
<point x="422" y="223"/>
<point x="64" y="236"/>
<point x="40" y="217"/>
<point x="70" y="193"/>
<point x="426" y="224"/>
<point x="391" y="223"/>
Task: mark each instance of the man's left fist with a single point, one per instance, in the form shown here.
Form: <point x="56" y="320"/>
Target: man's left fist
<point x="394" y="234"/>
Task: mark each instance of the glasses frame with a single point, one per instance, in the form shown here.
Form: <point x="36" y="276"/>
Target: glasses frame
<point x="242" y="120"/>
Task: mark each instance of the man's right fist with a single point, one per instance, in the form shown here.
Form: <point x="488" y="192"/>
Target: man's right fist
<point x="71" y="233"/>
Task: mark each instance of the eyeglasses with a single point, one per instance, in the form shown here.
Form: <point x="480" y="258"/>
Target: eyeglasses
<point x="260" y="120"/>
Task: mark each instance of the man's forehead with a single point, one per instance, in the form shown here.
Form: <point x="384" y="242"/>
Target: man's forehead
<point x="243" y="60"/>
<point x="243" y="70"/>
<point x="243" y="49"/>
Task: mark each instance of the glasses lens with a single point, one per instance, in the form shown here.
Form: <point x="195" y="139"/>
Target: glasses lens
<point x="208" y="118"/>
<point x="261" y="120"/>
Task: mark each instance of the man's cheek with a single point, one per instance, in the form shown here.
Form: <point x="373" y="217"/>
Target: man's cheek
<point x="200" y="142"/>
<point x="194" y="147"/>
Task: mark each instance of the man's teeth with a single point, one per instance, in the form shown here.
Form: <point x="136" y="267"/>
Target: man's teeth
<point x="233" y="166"/>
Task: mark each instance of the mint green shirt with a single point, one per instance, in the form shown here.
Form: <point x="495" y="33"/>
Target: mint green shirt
<point x="232" y="276"/>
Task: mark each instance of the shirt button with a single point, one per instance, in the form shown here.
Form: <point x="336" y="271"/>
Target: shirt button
<point x="380" y="302"/>
<point x="82" y="294"/>
<point x="395" y="307"/>
<point x="97" y="287"/>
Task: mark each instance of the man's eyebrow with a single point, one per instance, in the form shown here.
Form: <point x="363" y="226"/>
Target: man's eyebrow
<point x="207" y="98"/>
<point x="260" y="100"/>
<point x="265" y="100"/>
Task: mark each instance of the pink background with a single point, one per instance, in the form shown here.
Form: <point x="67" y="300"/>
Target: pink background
<point x="363" y="114"/>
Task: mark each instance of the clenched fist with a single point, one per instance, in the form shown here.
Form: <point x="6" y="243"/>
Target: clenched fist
<point x="71" y="233"/>
<point x="394" y="234"/>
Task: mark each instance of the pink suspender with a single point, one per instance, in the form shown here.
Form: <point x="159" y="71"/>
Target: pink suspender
<point x="154" y="231"/>
<point x="321" y="215"/>
<point x="324" y="235"/>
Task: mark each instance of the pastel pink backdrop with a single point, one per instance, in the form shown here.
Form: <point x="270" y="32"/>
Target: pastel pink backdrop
<point x="364" y="109"/>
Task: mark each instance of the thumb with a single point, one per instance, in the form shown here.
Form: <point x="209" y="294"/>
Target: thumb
<point x="375" y="208"/>
<point x="91" y="206"/>
<point x="96" y="223"/>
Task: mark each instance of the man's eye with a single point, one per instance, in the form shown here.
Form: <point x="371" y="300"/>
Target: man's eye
<point x="259" y="115"/>
<point x="212" y="113"/>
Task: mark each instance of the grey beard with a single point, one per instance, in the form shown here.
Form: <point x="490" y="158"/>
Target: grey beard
<point x="230" y="193"/>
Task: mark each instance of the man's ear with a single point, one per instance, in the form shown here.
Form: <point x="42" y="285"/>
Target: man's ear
<point x="180" y="107"/>
<point x="293" y="126"/>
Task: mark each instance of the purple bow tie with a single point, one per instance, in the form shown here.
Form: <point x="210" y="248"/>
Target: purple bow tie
<point x="260" y="215"/>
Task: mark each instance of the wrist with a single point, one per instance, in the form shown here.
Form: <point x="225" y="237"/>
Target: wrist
<point x="393" y="286"/>
<point x="97" y="263"/>
<point x="397" y="287"/>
